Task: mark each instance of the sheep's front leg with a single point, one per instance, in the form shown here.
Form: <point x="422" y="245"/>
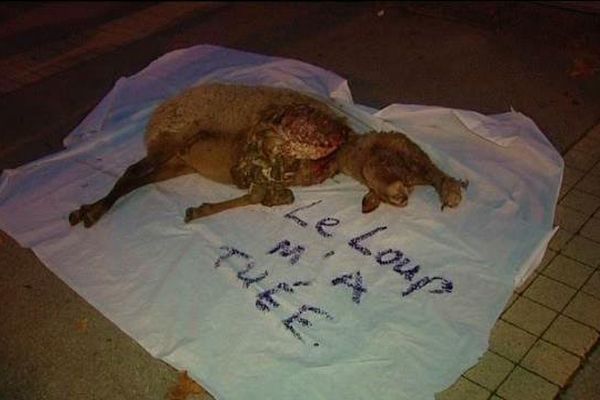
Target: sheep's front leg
<point x="267" y="195"/>
<point x="206" y="209"/>
<point x="450" y="190"/>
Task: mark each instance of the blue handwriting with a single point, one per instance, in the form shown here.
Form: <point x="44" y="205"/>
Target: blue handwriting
<point x="285" y="249"/>
<point x="297" y="317"/>
<point x="354" y="281"/>
<point x="265" y="300"/>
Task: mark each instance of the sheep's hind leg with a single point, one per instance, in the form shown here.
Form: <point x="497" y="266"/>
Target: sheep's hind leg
<point x="145" y="171"/>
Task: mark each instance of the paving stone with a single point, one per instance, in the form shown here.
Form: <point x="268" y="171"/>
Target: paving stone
<point x="589" y="145"/>
<point x="594" y="133"/>
<point x="585" y="385"/>
<point x="564" y="191"/>
<point x="530" y="316"/>
<point x="568" y="271"/>
<point x="510" y="341"/>
<point x="590" y="184"/>
<point x="490" y="371"/>
<point x="571" y="177"/>
<point x="524" y="385"/>
<point x="118" y="32"/>
<point x="549" y="292"/>
<point x="584" y="308"/>
<point x="463" y="389"/>
<point x="560" y="239"/>
<point x="569" y="219"/>
<point x="513" y="297"/>
<point x="551" y="362"/>
<point x="581" y="201"/>
<point x="523" y="286"/>
<point x="571" y="335"/>
<point x="548" y="257"/>
<point x="583" y="249"/>
<point x="592" y="287"/>
<point x="580" y="160"/>
<point x="591" y="229"/>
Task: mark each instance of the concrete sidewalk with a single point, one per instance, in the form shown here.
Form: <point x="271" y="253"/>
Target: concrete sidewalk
<point x="57" y="60"/>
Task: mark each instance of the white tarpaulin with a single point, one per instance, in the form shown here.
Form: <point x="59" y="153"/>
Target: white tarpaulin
<point x="313" y="300"/>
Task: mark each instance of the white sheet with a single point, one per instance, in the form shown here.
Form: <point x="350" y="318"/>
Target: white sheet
<point x="309" y="301"/>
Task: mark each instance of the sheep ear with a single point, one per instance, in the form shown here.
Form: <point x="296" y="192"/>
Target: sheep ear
<point x="370" y="202"/>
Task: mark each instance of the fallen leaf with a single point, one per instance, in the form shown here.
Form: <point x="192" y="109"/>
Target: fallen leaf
<point x="185" y="387"/>
<point x="82" y="325"/>
<point x="584" y="67"/>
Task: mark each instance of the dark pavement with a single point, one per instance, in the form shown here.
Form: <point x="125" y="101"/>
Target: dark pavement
<point x="57" y="60"/>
